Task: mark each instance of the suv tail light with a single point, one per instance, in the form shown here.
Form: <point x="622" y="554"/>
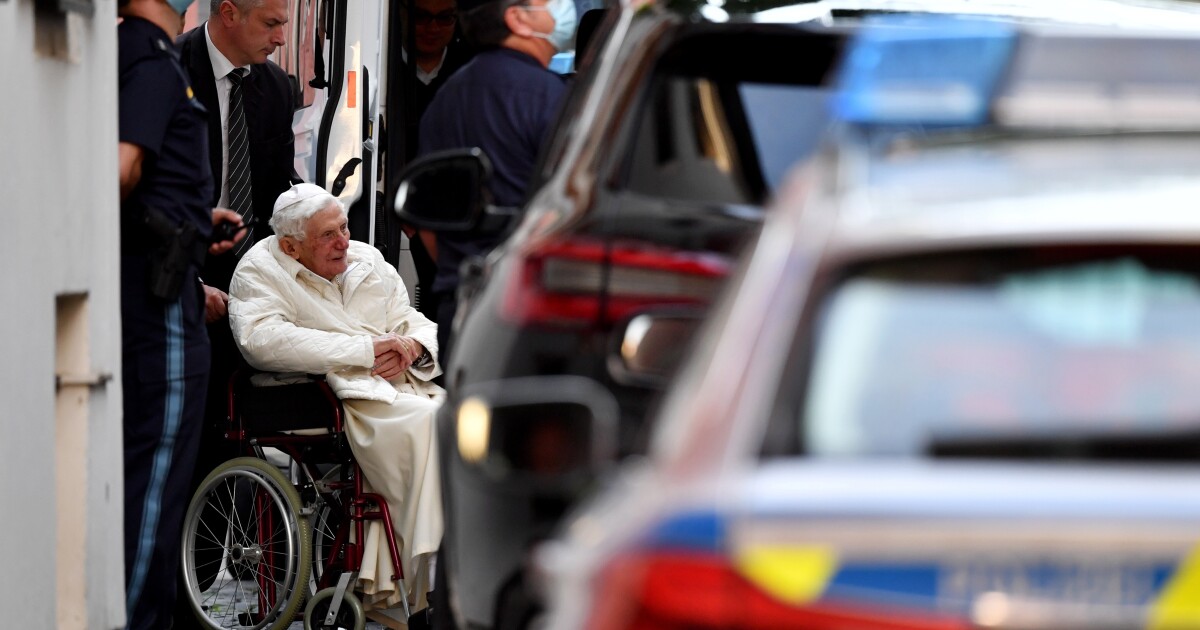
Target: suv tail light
<point x="702" y="591"/>
<point x="584" y="282"/>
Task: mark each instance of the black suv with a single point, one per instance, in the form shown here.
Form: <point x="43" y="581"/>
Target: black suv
<point x="674" y="136"/>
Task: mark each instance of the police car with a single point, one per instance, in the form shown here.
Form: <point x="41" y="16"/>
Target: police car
<point x="953" y="382"/>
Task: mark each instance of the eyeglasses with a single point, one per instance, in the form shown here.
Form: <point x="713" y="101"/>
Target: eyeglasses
<point x="443" y="19"/>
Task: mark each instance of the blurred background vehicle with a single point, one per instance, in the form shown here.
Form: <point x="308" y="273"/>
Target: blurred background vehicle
<point x="682" y="123"/>
<point x="675" y="134"/>
<point x="951" y="384"/>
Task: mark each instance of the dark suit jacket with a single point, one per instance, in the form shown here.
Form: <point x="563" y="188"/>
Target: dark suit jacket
<point x="267" y="97"/>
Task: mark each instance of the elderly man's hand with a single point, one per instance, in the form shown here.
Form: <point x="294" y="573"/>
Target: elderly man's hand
<point x="390" y="365"/>
<point x="216" y="304"/>
<point x="394" y="354"/>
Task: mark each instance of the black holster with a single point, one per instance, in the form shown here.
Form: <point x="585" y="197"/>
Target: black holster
<point x="179" y="246"/>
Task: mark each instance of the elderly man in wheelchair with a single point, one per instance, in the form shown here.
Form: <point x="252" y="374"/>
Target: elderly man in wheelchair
<point x="325" y="316"/>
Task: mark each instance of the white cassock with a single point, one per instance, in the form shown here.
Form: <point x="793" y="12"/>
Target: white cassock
<point x="286" y="318"/>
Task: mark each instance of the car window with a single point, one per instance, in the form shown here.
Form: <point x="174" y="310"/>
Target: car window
<point x="1003" y="357"/>
<point x="786" y="124"/>
<point x="720" y="122"/>
<point x="712" y="141"/>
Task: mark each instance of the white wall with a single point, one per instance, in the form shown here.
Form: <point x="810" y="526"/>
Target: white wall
<point x="59" y="213"/>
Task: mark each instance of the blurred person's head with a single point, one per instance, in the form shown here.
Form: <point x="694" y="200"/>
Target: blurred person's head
<point x="167" y="14"/>
<point x="312" y="229"/>
<point x="536" y="27"/>
<point x="247" y="31"/>
<point x="433" y="25"/>
<point x="483" y="21"/>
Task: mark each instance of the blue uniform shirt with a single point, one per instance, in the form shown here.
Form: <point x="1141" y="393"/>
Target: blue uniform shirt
<point x="503" y="102"/>
<point x="159" y="113"/>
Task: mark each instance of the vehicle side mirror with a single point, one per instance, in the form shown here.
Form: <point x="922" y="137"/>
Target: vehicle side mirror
<point x="444" y="191"/>
<point x="648" y="348"/>
<point x="539" y="427"/>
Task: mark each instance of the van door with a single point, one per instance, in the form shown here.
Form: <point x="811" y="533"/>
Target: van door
<point x="336" y="55"/>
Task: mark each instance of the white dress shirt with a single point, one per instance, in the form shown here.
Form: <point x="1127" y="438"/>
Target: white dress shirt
<point x="422" y="76"/>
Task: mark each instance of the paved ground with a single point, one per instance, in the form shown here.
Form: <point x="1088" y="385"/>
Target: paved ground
<point x="229" y="597"/>
<point x="371" y="625"/>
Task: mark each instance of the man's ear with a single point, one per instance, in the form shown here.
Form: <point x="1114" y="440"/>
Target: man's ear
<point x="228" y="13"/>
<point x="515" y="22"/>
<point x="290" y="246"/>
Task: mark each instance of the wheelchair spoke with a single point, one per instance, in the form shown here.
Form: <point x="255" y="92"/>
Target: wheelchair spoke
<point x="209" y="564"/>
<point x="238" y="589"/>
<point x="212" y="537"/>
<point x="276" y="533"/>
<point x="236" y="524"/>
<point x="264" y="575"/>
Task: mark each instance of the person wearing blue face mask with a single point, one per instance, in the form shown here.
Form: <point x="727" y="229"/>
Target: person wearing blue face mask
<point x="563" y="12"/>
<point x="166" y="225"/>
<point x="504" y="101"/>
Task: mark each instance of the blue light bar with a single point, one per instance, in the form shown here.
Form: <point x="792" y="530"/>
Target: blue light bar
<point x="689" y="530"/>
<point x="937" y="71"/>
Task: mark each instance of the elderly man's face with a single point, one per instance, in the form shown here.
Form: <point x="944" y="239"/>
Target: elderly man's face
<point x="326" y="239"/>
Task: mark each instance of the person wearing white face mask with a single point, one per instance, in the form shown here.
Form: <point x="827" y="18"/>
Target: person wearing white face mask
<point x="563" y="12"/>
<point x="504" y="102"/>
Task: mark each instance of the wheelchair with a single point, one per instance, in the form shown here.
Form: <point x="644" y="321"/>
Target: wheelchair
<point x="272" y="527"/>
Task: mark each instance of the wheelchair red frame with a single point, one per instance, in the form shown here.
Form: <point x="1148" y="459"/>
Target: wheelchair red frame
<point x="305" y="421"/>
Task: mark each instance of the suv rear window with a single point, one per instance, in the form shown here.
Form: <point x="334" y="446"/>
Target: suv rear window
<point x="710" y="142"/>
<point x="729" y="113"/>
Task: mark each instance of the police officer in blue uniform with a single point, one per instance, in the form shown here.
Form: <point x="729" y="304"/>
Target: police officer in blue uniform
<point x="166" y="225"/>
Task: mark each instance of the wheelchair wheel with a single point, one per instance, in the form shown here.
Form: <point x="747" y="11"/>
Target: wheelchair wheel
<point x="350" y="615"/>
<point x="328" y="519"/>
<point x="261" y="574"/>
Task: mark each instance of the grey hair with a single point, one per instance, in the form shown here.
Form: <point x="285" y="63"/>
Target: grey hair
<point x="291" y="220"/>
<point x="244" y="5"/>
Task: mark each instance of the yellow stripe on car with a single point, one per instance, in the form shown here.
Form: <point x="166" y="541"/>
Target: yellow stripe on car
<point x="1179" y="604"/>
<point x="797" y="575"/>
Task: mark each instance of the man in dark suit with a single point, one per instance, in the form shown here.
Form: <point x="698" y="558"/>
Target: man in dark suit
<point x="240" y="35"/>
<point x="252" y="157"/>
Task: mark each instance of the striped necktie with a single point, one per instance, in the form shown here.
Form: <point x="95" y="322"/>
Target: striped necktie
<point x="238" y="177"/>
